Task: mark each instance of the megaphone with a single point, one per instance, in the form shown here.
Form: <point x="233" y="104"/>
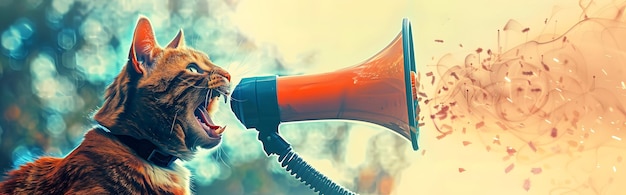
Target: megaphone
<point x="380" y="90"/>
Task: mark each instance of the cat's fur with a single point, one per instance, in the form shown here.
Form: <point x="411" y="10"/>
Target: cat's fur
<point x="153" y="98"/>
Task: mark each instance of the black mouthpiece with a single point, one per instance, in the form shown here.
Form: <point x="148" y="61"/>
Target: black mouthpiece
<point x="255" y="103"/>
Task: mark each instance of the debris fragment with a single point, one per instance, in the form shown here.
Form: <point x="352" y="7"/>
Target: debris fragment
<point x="532" y="146"/>
<point x="480" y="124"/>
<point x="526" y="185"/>
<point x="511" y="151"/>
<point x="553" y="132"/>
<point x="536" y="170"/>
<point x="496" y="140"/>
<point x="509" y="168"/>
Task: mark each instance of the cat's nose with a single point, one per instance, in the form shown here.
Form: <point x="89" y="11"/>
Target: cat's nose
<point x="225" y="74"/>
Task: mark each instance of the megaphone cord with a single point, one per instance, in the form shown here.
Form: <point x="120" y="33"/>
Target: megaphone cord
<point x="300" y="169"/>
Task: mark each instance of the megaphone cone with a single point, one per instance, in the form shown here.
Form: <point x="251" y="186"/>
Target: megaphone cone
<point x="380" y="90"/>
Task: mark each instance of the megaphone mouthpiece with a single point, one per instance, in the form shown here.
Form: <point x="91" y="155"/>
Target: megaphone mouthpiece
<point x="256" y="102"/>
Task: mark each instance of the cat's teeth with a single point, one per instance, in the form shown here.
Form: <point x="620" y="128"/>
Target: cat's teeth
<point x="220" y="130"/>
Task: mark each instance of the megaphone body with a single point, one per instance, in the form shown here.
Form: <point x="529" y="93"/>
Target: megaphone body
<point x="381" y="90"/>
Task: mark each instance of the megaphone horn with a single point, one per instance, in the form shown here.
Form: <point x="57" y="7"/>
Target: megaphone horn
<point x="380" y="90"/>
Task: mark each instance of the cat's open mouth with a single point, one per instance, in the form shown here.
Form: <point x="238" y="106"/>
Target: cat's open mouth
<point x="204" y="118"/>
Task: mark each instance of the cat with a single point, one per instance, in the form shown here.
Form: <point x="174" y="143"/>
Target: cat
<point x="158" y="109"/>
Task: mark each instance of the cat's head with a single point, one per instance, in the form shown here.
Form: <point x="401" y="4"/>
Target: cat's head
<point x="166" y="95"/>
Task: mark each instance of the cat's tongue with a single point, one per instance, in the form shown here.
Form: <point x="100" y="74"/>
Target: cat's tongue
<point x="207" y="124"/>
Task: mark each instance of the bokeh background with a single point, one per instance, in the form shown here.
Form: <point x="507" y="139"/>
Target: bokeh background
<point x="59" y="55"/>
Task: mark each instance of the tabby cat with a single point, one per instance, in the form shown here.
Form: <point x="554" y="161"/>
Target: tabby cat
<point x="158" y="109"/>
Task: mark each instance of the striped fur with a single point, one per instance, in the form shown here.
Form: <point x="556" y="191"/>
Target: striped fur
<point x="153" y="98"/>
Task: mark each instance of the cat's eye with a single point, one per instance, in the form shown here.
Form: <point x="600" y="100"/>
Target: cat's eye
<point x="193" y="67"/>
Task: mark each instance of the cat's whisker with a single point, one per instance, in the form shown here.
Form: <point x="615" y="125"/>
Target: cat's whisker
<point x="221" y="92"/>
<point x="234" y="99"/>
<point x="200" y="87"/>
<point x="227" y="157"/>
<point x="221" y="151"/>
<point x="173" y="122"/>
<point x="209" y="93"/>
<point x="225" y="94"/>
<point x="241" y="69"/>
<point x="195" y="141"/>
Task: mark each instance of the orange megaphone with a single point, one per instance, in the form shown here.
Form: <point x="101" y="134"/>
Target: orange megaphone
<point x="380" y="90"/>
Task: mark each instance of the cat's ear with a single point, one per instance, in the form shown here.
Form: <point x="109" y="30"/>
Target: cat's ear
<point x="178" y="41"/>
<point x="143" y="45"/>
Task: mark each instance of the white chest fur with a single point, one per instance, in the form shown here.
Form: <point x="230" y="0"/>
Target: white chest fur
<point x="174" y="179"/>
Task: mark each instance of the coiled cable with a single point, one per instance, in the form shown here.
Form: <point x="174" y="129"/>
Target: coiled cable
<point x="315" y="180"/>
<point x="297" y="167"/>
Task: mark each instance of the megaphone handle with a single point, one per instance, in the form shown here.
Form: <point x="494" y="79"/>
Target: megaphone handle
<point x="296" y="166"/>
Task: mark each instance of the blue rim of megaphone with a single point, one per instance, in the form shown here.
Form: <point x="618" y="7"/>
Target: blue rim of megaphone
<point x="409" y="66"/>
